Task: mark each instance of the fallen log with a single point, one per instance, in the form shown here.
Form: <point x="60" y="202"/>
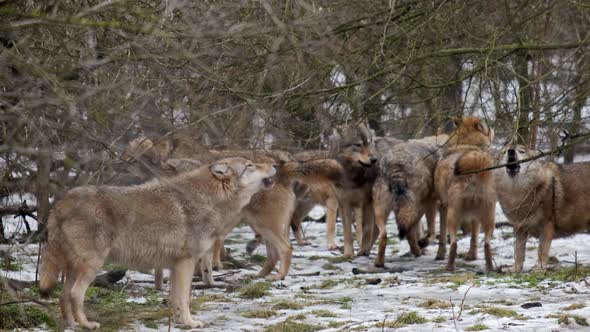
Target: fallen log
<point x="13" y="285"/>
<point x="357" y="270"/>
<point x="310" y="274"/>
<point x="197" y="286"/>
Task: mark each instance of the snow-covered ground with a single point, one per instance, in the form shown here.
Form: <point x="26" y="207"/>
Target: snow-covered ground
<point x="337" y="300"/>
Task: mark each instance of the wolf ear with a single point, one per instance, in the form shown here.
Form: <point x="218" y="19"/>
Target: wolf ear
<point x="221" y="171"/>
<point x="457" y="121"/>
<point x="481" y="126"/>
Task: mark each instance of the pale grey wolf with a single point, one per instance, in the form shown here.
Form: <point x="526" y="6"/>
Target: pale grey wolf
<point x="542" y="199"/>
<point x="166" y="223"/>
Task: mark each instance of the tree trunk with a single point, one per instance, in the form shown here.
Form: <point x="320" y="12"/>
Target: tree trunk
<point x="525" y="94"/>
<point x="42" y="193"/>
<point x="452" y="103"/>
<point x="536" y="107"/>
<point x="581" y="94"/>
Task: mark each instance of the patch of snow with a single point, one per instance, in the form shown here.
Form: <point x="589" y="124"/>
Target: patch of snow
<point x="423" y="279"/>
<point x="317" y="212"/>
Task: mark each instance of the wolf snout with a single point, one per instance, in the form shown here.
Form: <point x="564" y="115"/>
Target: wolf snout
<point x="368" y="163"/>
<point x="268" y="182"/>
<point x="512" y="167"/>
<point x="273" y="169"/>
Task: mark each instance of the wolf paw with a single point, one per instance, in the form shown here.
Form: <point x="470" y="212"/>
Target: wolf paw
<point x="471" y="257"/>
<point x="333" y="246"/>
<point x="90" y="325"/>
<point x="194" y="324"/>
<point x="303" y="243"/>
<point x="274" y="277"/>
<point x="363" y="253"/>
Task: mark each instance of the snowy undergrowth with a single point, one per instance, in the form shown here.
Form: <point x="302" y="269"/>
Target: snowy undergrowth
<point x="322" y="293"/>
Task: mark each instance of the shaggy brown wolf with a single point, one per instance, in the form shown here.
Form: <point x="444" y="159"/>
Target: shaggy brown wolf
<point x="468" y="196"/>
<point x="317" y="194"/>
<point x="167" y="223"/>
<point x="352" y="146"/>
<point x="406" y="185"/>
<point x="269" y="212"/>
<point x="542" y="199"/>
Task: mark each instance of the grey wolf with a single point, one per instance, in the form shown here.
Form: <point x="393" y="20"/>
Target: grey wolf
<point x="406" y="186"/>
<point x="166" y="223"/>
<point x="466" y="196"/>
<point x="541" y="199"/>
<point x="352" y="147"/>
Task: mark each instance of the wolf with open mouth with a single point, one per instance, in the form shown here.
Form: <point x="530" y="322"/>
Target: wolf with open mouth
<point x="541" y="199"/>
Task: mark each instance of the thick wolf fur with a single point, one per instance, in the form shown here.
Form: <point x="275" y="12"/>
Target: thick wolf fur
<point x="319" y="193"/>
<point x="542" y="199"/>
<point x="166" y="223"/>
<point x="269" y="212"/>
<point x="352" y="146"/>
<point x="465" y="197"/>
<point x="406" y="186"/>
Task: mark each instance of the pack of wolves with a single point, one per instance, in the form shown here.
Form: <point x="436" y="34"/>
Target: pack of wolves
<point x="185" y="199"/>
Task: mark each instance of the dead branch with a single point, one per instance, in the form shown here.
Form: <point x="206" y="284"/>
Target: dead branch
<point x="357" y="270"/>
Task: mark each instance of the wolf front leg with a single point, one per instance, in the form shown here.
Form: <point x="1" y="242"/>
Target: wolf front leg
<point x="369" y="229"/>
<point x="331" y="214"/>
<point x="347" y="220"/>
<point x="442" y="237"/>
<point x="519" y="249"/>
<point x="382" y="207"/>
<point x="181" y="277"/>
<point x="544" y="246"/>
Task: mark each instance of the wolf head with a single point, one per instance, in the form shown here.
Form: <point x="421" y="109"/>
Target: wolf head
<point x="513" y="154"/>
<point x="247" y="174"/>
<point x="354" y="144"/>
<point x="470" y="130"/>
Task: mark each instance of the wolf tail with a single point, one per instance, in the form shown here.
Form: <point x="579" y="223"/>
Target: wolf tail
<point x="397" y="182"/>
<point x="397" y="175"/>
<point x="51" y="262"/>
<point x="474" y="163"/>
<point x="312" y="171"/>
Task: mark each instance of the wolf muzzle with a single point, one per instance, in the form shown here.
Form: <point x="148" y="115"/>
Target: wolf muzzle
<point x="512" y="167"/>
<point x="372" y="161"/>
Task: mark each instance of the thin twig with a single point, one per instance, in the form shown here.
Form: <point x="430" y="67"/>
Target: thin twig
<point x="463" y="302"/>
